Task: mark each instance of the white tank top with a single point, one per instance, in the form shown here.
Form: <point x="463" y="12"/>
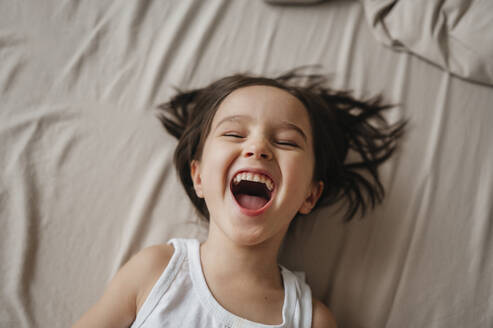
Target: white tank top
<point x="181" y="298"/>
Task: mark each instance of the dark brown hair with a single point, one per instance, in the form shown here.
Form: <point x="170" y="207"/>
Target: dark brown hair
<point x="339" y="123"/>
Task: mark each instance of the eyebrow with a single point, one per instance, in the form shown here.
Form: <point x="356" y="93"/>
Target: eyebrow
<point x="233" y="118"/>
<point x="283" y="125"/>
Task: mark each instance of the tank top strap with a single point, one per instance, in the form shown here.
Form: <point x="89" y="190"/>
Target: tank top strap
<point x="164" y="281"/>
<point x="303" y="295"/>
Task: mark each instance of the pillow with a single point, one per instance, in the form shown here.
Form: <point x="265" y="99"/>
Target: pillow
<point x="454" y="34"/>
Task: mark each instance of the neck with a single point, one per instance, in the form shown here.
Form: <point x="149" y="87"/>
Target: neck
<point x="224" y="259"/>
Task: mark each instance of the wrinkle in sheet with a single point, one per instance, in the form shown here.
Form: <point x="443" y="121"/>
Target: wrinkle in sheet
<point x="399" y="91"/>
<point x="244" y="47"/>
<point x="416" y="217"/>
<point x="443" y="41"/>
<point x="27" y="132"/>
<point x="455" y="11"/>
<point x="26" y="243"/>
<point x="263" y="26"/>
<point x="162" y="53"/>
<point x="68" y="8"/>
<point x="118" y="84"/>
<point x="12" y="60"/>
<point x="322" y="52"/>
<point x="135" y="21"/>
<point x="481" y="243"/>
<point x="266" y="50"/>
<point x="23" y="231"/>
<point x="435" y="142"/>
<point x="444" y="27"/>
<point x="139" y="13"/>
<point x="30" y="127"/>
<point x="376" y="13"/>
<point x="73" y="70"/>
<point x="9" y="78"/>
<point x="432" y="26"/>
<point x="204" y="36"/>
<point x="137" y="222"/>
<point x="11" y="39"/>
<point x="479" y="68"/>
<point x="92" y="29"/>
<point x="346" y="57"/>
<point x="39" y="150"/>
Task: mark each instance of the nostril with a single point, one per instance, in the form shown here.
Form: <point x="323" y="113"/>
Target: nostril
<point x="257" y="154"/>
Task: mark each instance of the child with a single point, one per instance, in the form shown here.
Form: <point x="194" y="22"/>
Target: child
<point x="253" y="154"/>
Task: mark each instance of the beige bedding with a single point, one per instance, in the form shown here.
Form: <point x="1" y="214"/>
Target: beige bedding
<point x="457" y="35"/>
<point x="87" y="179"/>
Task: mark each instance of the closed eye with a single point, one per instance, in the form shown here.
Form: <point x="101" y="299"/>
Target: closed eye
<point x="286" y="143"/>
<point x="233" y="135"/>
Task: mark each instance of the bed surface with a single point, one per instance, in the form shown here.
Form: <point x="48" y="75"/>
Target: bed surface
<point x="453" y="34"/>
<point x="87" y="178"/>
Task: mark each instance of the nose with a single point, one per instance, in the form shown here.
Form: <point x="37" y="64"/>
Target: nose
<point x="258" y="149"/>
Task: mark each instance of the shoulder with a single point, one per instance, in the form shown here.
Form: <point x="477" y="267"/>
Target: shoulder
<point x="153" y="257"/>
<point x="322" y="317"/>
<point x="139" y="274"/>
<point x="128" y="289"/>
<point x="147" y="266"/>
<point x="147" y="263"/>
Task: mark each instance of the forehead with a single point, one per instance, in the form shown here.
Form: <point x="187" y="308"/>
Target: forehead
<point x="264" y="104"/>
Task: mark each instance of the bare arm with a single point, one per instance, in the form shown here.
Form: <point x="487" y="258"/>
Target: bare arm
<point x="127" y="291"/>
<point x="322" y="317"/>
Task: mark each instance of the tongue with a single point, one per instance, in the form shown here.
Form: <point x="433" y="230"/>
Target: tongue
<point x="251" y="202"/>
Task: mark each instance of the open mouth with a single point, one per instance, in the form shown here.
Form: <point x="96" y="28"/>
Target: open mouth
<point x="252" y="191"/>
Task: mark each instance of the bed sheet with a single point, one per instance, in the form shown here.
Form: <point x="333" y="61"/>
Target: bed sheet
<point x="454" y="34"/>
<point x="87" y="177"/>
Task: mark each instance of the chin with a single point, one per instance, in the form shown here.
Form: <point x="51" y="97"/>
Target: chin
<point x="248" y="237"/>
<point x="254" y="236"/>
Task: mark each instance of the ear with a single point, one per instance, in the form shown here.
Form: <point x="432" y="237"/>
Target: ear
<point x="313" y="195"/>
<point x="196" y="179"/>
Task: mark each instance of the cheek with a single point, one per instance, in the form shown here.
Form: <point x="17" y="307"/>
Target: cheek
<point x="216" y="155"/>
<point x="302" y="170"/>
<point x="297" y="171"/>
<point x="216" y="159"/>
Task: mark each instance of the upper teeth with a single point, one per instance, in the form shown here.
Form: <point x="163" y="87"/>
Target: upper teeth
<point x="254" y="177"/>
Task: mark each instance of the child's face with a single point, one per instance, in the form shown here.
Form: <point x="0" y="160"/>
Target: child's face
<point x="265" y="133"/>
